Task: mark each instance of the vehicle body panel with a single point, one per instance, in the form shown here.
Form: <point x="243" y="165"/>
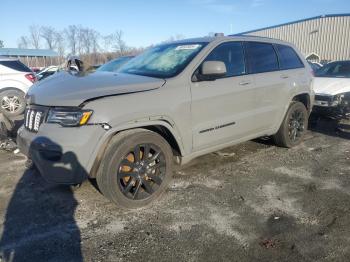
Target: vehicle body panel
<point x="64" y="89"/>
<point x="331" y="86"/>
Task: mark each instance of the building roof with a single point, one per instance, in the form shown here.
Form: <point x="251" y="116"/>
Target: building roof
<point x="293" y="22"/>
<point x="27" y="52"/>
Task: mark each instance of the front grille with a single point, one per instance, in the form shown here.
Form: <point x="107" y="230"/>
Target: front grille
<point x="323" y="98"/>
<point x="33" y="118"/>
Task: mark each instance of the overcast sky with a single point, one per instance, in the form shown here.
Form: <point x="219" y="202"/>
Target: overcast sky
<point x="152" y="21"/>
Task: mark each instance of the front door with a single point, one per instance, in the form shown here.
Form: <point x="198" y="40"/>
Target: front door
<point x="223" y="109"/>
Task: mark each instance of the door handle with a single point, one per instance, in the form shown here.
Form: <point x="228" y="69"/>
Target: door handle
<point x="284" y="76"/>
<point x="244" y="83"/>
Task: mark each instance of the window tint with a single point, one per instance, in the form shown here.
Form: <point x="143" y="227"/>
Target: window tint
<point x="232" y="55"/>
<point x="288" y="57"/>
<point x="261" y="57"/>
<point x="15" y="65"/>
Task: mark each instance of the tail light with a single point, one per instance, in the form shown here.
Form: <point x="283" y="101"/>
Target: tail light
<point x="31" y="77"/>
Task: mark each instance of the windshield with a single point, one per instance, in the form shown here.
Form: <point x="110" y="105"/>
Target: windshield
<point x="335" y="69"/>
<point x="163" y="61"/>
<point x="114" y="65"/>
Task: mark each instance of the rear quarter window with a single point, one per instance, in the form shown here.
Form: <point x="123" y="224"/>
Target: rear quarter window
<point x="16" y="65"/>
<point x="288" y="58"/>
<point x="261" y="57"/>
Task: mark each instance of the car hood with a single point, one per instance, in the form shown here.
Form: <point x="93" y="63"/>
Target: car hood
<point x="331" y="86"/>
<point x="65" y="89"/>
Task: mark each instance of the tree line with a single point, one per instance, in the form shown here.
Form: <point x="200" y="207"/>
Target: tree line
<point x="78" y="40"/>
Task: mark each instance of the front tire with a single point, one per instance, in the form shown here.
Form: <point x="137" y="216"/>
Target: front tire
<point x="136" y="168"/>
<point x="12" y="102"/>
<point x="293" y="127"/>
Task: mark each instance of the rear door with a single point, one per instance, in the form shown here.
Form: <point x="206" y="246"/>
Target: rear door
<point x="271" y="84"/>
<point x="222" y="110"/>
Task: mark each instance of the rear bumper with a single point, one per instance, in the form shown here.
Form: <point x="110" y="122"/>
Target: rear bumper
<point x="61" y="155"/>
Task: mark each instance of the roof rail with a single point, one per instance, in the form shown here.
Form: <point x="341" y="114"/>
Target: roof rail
<point x="255" y="36"/>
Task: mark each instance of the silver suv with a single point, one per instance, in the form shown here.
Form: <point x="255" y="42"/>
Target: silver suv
<point x="174" y="102"/>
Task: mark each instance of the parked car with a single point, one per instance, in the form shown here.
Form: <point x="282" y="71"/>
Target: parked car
<point x="332" y="88"/>
<point x="176" y="101"/>
<point x="115" y="64"/>
<point x="15" y="80"/>
<point x="36" y="69"/>
<point x="46" y="72"/>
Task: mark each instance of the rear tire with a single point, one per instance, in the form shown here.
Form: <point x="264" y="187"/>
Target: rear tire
<point x="12" y="102"/>
<point x="136" y="168"/>
<point x="293" y="127"/>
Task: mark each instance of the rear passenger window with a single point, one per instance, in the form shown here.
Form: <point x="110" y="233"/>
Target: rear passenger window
<point x="261" y="57"/>
<point x="15" y="65"/>
<point x="232" y="55"/>
<point x="288" y="57"/>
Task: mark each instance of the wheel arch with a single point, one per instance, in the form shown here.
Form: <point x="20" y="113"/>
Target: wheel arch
<point x="305" y="99"/>
<point x="4" y="89"/>
<point x="161" y="127"/>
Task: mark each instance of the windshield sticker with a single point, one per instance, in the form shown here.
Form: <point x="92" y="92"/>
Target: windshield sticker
<point x="187" y="47"/>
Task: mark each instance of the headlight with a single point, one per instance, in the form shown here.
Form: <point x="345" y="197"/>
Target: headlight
<point x="69" y="117"/>
<point x="337" y="99"/>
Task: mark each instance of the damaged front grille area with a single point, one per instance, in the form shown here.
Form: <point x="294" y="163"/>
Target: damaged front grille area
<point x="324" y="98"/>
<point x="34" y="117"/>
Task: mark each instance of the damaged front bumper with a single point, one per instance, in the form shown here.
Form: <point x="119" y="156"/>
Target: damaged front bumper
<point x="332" y="105"/>
<point x="62" y="155"/>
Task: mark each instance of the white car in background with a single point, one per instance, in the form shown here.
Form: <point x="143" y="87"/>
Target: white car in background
<point x="332" y="89"/>
<point x="46" y="72"/>
<point x="15" y="80"/>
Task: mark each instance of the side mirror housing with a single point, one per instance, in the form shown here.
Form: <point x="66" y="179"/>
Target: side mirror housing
<point x="211" y="70"/>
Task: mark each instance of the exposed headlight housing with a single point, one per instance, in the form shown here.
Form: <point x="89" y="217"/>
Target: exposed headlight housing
<point x="69" y="117"/>
<point x="337" y="100"/>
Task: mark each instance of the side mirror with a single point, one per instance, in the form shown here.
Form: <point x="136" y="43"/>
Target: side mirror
<point x="212" y="70"/>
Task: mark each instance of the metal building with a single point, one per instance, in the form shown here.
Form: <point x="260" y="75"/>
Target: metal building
<point x="31" y="57"/>
<point x="321" y="38"/>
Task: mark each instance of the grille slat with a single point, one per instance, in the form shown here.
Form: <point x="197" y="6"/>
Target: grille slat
<point x="324" y="98"/>
<point x="34" y="118"/>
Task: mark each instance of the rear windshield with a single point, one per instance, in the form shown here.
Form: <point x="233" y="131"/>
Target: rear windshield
<point x="335" y="69"/>
<point x="16" y="65"/>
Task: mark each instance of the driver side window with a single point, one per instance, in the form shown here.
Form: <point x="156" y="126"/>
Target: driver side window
<point x="232" y="55"/>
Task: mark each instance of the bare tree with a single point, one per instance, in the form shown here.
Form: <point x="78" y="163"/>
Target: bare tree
<point x="115" y="41"/>
<point x="49" y="35"/>
<point x="23" y="42"/>
<point x="108" y="42"/>
<point x="1" y="44"/>
<point x="34" y="34"/>
<point x="94" y="37"/>
<point x="60" y="43"/>
<point x="120" y="44"/>
<point x="72" y="38"/>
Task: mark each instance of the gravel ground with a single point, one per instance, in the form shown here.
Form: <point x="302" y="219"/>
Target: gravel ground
<point x="251" y="202"/>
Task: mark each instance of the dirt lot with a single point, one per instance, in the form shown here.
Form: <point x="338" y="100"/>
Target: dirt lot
<point x="251" y="202"/>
